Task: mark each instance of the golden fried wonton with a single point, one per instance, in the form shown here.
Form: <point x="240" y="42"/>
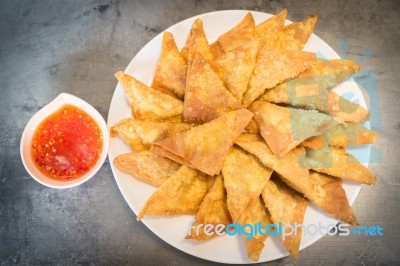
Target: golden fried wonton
<point x="284" y="128"/>
<point x="182" y="193"/>
<point x="167" y="154"/>
<point x="287" y="207"/>
<point x="206" y="146"/>
<point x="274" y="66"/>
<point x="235" y="68"/>
<point x="206" y="96"/>
<point x="170" y="76"/>
<point x="141" y="134"/>
<point x="252" y="127"/>
<point x="342" y="135"/>
<point x="257" y="213"/>
<point x="244" y="179"/>
<point x="337" y="162"/>
<point x="216" y="50"/>
<point x="288" y="166"/>
<point x="324" y="192"/>
<point x="311" y="90"/>
<point x="238" y="35"/>
<point x="213" y="210"/>
<point x="312" y="85"/>
<point x="126" y="130"/>
<point x="269" y="30"/>
<point x="147" y="166"/>
<point x="295" y="35"/>
<point x="197" y="42"/>
<point x="345" y="110"/>
<point x="329" y="195"/>
<point x="148" y="103"/>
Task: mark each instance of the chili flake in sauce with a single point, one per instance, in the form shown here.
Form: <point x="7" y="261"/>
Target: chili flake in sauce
<point x="67" y="144"/>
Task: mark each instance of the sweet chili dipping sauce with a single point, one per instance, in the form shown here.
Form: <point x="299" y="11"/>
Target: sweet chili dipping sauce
<point x="67" y="144"/>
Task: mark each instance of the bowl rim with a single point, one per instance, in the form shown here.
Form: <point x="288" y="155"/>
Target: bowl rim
<point x="38" y="118"/>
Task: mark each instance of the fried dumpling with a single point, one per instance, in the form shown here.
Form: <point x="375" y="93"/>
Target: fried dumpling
<point x="205" y="146"/>
<point x="148" y="103"/>
<point x="182" y="193"/>
<point x="274" y="66"/>
<point x="285" y="207"/>
<point x="337" y="162"/>
<point x="147" y="166"/>
<point x="289" y="166"/>
<point x="310" y="88"/>
<point x="197" y="42"/>
<point x="295" y="35"/>
<point x="213" y="210"/>
<point x="257" y="213"/>
<point x="141" y="134"/>
<point x="170" y="76"/>
<point x="342" y="135"/>
<point x="244" y="179"/>
<point x="268" y="31"/>
<point x="236" y="66"/>
<point x="206" y="97"/>
<point x="329" y="195"/>
<point x="238" y="35"/>
<point x="284" y="128"/>
<point x="252" y="127"/>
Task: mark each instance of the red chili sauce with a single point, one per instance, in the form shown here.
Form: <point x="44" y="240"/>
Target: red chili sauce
<point x="67" y="144"/>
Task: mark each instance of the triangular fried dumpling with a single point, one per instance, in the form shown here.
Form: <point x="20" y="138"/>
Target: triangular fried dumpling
<point x="216" y="50"/>
<point x="126" y="130"/>
<point x="252" y="127"/>
<point x="269" y="30"/>
<point x="148" y="103"/>
<point x="170" y="76"/>
<point x="284" y="128"/>
<point x="141" y="134"/>
<point x="311" y="90"/>
<point x="329" y="195"/>
<point x="213" y="210"/>
<point x="288" y="166"/>
<point x="182" y="193"/>
<point x="342" y="135"/>
<point x="257" y="213"/>
<point x="238" y="35"/>
<point x="345" y="110"/>
<point x="167" y="154"/>
<point x="274" y="66"/>
<point x="236" y="66"/>
<point x="285" y="206"/>
<point x="337" y="162"/>
<point x="206" y="146"/>
<point x="311" y="86"/>
<point x="295" y="35"/>
<point x="147" y="166"/>
<point x="326" y="192"/>
<point x="244" y="179"/>
<point x="206" y="96"/>
<point x="197" y="42"/>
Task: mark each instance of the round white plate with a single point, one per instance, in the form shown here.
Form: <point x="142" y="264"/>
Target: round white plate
<point x="226" y="249"/>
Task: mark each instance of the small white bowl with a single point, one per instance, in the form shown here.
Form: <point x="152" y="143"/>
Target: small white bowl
<point x="34" y="122"/>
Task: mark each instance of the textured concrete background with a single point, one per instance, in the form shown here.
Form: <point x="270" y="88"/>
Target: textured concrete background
<point x="48" y="47"/>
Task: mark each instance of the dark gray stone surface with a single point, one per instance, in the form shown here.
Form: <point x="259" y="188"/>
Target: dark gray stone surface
<point x="48" y="47"/>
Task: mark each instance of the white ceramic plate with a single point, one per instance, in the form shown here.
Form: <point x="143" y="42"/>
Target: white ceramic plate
<point x="226" y="249"/>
